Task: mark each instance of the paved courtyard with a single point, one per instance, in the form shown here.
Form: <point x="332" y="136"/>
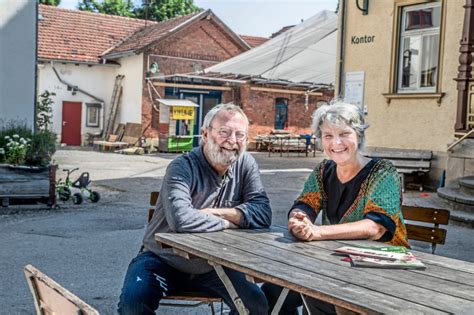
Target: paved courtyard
<point x="87" y="248"/>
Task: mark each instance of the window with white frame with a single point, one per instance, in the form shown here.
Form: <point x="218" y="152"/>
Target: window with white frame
<point x="93" y="114"/>
<point x="418" y="55"/>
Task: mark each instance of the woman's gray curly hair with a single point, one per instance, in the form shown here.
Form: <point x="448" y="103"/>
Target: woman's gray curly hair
<point x="341" y="114"/>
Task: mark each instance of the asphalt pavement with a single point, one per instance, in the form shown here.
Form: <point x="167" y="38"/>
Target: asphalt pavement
<point x="86" y="248"/>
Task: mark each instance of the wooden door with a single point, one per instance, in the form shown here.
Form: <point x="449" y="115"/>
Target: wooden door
<point x="71" y="123"/>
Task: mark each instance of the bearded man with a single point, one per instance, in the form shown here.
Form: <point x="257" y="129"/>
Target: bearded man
<point x="214" y="187"/>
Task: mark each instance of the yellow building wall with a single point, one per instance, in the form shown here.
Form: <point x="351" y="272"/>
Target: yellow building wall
<point x="421" y="124"/>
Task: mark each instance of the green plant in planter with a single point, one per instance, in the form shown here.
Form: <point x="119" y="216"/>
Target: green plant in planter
<point x="16" y="149"/>
<point x="41" y="148"/>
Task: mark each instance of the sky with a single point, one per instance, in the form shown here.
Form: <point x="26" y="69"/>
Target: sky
<point x="256" y="17"/>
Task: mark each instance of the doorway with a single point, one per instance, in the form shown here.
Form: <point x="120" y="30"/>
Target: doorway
<point x="71" y="123"/>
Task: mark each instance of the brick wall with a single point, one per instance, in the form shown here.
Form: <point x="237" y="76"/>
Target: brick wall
<point x="203" y="43"/>
<point x="260" y="109"/>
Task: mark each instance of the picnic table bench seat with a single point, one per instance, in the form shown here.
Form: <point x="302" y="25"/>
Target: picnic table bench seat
<point x="407" y="162"/>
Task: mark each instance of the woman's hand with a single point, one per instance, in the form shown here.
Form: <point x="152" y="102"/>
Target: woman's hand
<point x="302" y="228"/>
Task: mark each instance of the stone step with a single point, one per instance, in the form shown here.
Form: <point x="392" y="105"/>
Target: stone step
<point x="467" y="183"/>
<point x="456" y="194"/>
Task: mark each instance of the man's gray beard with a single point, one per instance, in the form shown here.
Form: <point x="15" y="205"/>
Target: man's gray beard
<point x="219" y="156"/>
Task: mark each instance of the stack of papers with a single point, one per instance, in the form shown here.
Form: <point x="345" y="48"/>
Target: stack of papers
<point x="392" y="257"/>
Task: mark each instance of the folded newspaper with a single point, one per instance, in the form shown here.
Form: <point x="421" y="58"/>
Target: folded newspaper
<point x="391" y="257"/>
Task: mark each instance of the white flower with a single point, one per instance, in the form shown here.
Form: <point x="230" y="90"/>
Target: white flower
<point x="2" y="151"/>
<point x="15" y="136"/>
<point x="7" y="137"/>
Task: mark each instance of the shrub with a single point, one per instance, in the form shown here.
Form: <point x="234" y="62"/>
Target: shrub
<point x="42" y="148"/>
<point x="16" y="149"/>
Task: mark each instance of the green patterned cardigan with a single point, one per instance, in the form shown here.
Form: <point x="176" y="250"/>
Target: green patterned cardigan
<point x="379" y="192"/>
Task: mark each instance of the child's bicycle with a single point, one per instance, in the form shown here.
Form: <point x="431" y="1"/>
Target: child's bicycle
<point x="63" y="188"/>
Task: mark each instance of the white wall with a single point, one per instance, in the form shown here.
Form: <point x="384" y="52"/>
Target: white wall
<point x="17" y="60"/>
<point x="97" y="80"/>
<point x="131" y="105"/>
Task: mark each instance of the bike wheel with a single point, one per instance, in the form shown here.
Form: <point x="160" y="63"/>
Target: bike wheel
<point x="77" y="198"/>
<point x="64" y="194"/>
<point x="94" y="196"/>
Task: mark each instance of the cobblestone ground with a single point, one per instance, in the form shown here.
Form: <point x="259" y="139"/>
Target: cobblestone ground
<point x="87" y="248"/>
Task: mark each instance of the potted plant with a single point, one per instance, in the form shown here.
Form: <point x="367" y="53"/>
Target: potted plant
<point x="26" y="171"/>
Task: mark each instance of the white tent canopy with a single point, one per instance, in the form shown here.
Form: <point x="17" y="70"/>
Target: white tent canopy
<point x="304" y="53"/>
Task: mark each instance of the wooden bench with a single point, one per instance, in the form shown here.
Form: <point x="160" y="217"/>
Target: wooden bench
<point x="50" y="298"/>
<point x="196" y="297"/>
<point x="431" y="234"/>
<point x="407" y="162"/>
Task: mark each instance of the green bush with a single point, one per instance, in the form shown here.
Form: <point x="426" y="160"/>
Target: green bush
<point x="34" y="150"/>
<point x="42" y="148"/>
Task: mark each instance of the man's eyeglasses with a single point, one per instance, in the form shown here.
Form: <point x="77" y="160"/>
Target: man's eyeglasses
<point x="225" y="132"/>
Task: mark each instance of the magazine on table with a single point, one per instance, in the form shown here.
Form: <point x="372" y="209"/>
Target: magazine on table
<point x="391" y="257"/>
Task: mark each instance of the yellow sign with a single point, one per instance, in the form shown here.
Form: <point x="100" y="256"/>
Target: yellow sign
<point x="182" y="112"/>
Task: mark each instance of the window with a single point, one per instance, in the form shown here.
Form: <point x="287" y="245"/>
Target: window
<point x="93" y="114"/>
<point x="281" y="113"/>
<point x="418" y="53"/>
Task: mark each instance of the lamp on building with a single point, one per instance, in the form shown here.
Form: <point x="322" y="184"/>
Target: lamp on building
<point x="364" y="8"/>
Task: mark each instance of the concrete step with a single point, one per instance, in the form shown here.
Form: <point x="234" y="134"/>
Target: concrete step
<point x="467" y="184"/>
<point x="456" y="194"/>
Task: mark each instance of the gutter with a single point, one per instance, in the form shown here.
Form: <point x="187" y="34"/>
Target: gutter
<point x="341" y="46"/>
<point x="76" y="88"/>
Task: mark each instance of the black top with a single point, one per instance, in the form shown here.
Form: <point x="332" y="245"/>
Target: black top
<point x="342" y="195"/>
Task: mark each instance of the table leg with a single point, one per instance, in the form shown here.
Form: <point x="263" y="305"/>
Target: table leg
<point x="305" y="304"/>
<point x="281" y="299"/>
<point x="230" y="288"/>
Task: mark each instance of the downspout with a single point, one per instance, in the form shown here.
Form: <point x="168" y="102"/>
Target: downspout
<point x="342" y="7"/>
<point x="76" y="88"/>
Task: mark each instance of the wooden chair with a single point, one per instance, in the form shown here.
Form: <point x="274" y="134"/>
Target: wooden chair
<point x="196" y="298"/>
<point x="51" y="298"/>
<point x="431" y="234"/>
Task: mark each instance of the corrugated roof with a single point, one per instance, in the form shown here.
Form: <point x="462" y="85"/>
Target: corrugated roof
<point x="304" y="53"/>
<point x="81" y="36"/>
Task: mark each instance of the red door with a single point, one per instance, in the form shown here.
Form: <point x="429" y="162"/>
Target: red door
<point x="71" y="131"/>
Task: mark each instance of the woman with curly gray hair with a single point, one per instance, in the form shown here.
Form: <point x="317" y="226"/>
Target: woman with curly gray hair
<point x="358" y="197"/>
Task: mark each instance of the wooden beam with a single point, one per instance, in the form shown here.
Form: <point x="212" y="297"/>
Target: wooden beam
<point x="192" y="86"/>
<point x="254" y="88"/>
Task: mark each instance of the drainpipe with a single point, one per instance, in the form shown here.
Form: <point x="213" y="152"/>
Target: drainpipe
<point x="342" y="7"/>
<point x="76" y="88"/>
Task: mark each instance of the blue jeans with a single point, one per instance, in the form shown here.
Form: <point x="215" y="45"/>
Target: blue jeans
<point x="149" y="278"/>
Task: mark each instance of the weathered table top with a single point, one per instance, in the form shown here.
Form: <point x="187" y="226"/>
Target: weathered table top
<point x="273" y="255"/>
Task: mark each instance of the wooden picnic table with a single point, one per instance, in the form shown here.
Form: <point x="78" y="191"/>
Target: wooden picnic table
<point x="273" y="255"/>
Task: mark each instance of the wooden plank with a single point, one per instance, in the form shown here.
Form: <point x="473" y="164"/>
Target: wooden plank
<point x="273" y="90"/>
<point x="53" y="298"/>
<point x="443" y="272"/>
<point x="340" y="293"/>
<point x="193" y="86"/>
<point x="329" y="265"/>
<point x="426" y="233"/>
<point x="429" y="215"/>
<point x="411" y="164"/>
<point x="406" y="154"/>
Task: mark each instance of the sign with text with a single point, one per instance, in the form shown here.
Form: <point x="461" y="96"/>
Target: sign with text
<point x="182" y="112"/>
<point x="354" y="88"/>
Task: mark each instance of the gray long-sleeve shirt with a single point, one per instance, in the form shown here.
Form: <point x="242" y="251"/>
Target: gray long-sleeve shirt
<point x="191" y="184"/>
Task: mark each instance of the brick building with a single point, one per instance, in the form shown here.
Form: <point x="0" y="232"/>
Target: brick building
<point x="81" y="56"/>
<point x="278" y="84"/>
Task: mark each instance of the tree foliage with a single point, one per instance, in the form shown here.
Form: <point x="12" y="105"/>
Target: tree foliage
<point x="50" y="2"/>
<point x="158" y="10"/>
<point x="113" y="7"/>
<point x="161" y="10"/>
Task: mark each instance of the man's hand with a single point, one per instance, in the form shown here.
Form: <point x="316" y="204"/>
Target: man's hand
<point x="230" y="214"/>
<point x="230" y="225"/>
<point x="302" y="228"/>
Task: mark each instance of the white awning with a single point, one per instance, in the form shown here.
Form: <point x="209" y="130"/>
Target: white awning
<point x="304" y="53"/>
<point x="176" y="103"/>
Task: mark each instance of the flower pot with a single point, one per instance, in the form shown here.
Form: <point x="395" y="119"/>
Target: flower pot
<point x="23" y="184"/>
